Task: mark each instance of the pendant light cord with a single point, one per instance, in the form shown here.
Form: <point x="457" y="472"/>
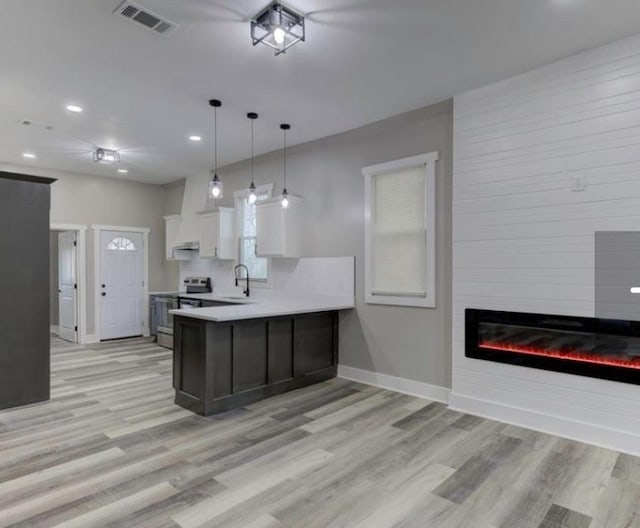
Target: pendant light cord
<point x="215" y="140"/>
<point x="284" y="161"/>
<point x="252" y="150"/>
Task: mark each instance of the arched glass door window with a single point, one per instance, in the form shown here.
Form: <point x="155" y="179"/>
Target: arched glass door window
<point x="121" y="243"/>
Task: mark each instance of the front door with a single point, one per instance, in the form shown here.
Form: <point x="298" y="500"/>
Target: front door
<point x="67" y="287"/>
<point x="121" y="284"/>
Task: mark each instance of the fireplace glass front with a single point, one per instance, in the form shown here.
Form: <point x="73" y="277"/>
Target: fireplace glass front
<point x="602" y="348"/>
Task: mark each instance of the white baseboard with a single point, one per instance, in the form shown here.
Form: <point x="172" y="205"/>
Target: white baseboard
<point x="91" y="338"/>
<point x="403" y="385"/>
<point x="555" y="425"/>
<point x="53" y="329"/>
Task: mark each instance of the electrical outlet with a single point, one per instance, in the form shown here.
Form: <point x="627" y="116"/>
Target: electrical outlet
<point x="577" y="182"/>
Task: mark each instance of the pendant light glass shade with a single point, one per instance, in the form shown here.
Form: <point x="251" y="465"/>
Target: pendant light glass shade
<point x="284" y="196"/>
<point x="252" y="197"/>
<point x="215" y="185"/>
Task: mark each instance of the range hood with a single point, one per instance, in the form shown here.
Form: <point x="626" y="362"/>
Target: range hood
<point x="187" y="246"/>
<point x="194" y="199"/>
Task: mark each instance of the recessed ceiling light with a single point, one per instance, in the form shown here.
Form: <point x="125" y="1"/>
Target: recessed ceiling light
<point x="123" y="171"/>
<point x="74" y="108"/>
<point x="28" y="155"/>
<point x="195" y="138"/>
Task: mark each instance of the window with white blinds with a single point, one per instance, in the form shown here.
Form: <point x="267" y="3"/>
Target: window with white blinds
<point x="400" y="232"/>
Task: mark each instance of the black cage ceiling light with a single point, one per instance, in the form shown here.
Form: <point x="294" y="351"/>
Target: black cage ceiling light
<point x="278" y="27"/>
<point x="103" y="155"/>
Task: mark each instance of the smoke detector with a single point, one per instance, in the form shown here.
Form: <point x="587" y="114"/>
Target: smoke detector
<point x="148" y="19"/>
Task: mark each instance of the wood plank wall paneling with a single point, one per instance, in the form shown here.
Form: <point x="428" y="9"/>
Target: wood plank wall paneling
<point x="524" y="241"/>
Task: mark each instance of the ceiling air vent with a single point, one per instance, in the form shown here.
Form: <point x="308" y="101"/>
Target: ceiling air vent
<point x="143" y="16"/>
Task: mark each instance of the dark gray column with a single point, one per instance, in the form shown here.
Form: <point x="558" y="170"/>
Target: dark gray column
<point x="24" y="289"/>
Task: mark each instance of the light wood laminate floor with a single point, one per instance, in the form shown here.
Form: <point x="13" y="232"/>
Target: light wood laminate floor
<point x="111" y="449"/>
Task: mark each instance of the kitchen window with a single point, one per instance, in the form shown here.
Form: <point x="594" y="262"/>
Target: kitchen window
<point x="400" y="232"/>
<point x="258" y="266"/>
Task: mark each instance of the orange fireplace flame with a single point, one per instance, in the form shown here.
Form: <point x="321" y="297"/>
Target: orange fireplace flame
<point x="582" y="357"/>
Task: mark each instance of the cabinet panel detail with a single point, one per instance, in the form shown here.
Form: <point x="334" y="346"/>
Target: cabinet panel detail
<point x="280" y="350"/>
<point x="313" y="342"/>
<point x="249" y="355"/>
<point x="192" y="361"/>
<point x="220" y="350"/>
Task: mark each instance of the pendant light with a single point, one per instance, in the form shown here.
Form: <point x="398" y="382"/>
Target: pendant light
<point x="253" y="197"/>
<point x="284" y="197"/>
<point x="215" y="185"/>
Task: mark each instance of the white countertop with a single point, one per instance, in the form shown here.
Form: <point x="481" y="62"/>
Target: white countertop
<point x="254" y="308"/>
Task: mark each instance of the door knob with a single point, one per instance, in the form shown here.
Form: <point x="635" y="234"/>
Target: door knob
<point x="104" y="294"/>
<point x="103" y="286"/>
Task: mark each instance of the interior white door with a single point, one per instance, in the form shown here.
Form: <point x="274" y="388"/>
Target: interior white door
<point x="121" y="284"/>
<point x="67" y="286"/>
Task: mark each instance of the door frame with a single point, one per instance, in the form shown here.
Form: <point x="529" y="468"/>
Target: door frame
<point x="81" y="273"/>
<point x="97" y="262"/>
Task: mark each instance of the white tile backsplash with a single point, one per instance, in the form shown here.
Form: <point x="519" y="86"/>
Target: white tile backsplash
<point x="333" y="276"/>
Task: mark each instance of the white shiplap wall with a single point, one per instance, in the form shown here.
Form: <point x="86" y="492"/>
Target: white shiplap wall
<point x="523" y="241"/>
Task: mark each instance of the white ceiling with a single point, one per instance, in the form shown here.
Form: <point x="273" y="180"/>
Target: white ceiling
<point x="364" y="60"/>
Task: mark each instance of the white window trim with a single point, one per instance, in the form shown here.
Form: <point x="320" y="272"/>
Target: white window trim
<point x="238" y="196"/>
<point x="429" y="162"/>
<point x="81" y="274"/>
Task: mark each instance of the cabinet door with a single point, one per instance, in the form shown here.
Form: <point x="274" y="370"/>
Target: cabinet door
<point x="172" y="225"/>
<point x="209" y="235"/>
<point x="270" y="232"/>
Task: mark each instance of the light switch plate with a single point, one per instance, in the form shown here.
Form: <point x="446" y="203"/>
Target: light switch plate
<point x="577" y="183"/>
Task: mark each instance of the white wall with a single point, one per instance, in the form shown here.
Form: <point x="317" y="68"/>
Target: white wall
<point x="523" y="241"/>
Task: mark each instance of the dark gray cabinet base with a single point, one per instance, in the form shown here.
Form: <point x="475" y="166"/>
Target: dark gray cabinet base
<point x="222" y="366"/>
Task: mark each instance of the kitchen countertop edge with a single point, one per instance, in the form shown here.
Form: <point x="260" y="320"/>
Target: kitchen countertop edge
<point x="264" y="308"/>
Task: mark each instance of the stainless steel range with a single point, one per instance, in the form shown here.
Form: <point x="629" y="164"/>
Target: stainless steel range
<point x="197" y="284"/>
<point x="162" y="320"/>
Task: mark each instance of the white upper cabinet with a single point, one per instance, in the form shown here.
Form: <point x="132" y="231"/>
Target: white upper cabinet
<point x="172" y="229"/>
<point x="279" y="231"/>
<point x="218" y="238"/>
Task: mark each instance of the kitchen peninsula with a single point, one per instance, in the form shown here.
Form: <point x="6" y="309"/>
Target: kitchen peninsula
<point x="229" y="356"/>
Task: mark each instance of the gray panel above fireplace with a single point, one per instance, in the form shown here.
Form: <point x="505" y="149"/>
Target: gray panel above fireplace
<point x="617" y="271"/>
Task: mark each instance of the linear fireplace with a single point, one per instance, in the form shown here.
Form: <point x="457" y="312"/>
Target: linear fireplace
<point x="599" y="348"/>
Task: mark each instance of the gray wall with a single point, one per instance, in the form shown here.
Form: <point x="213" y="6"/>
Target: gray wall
<point x="53" y="277"/>
<point x="410" y="343"/>
<point x="84" y="199"/>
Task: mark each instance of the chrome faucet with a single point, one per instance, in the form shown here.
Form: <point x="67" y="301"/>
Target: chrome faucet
<point x="235" y="272"/>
